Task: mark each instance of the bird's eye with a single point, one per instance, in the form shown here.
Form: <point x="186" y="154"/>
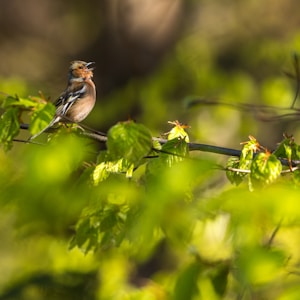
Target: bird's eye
<point x="80" y="67"/>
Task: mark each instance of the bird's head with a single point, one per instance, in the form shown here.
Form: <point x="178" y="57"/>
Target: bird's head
<point x="80" y="70"/>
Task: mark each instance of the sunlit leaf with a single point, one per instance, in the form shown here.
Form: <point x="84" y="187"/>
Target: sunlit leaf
<point x="174" y="150"/>
<point x="178" y="131"/>
<point x="211" y="240"/>
<point x="17" y="101"/>
<point x="103" y="170"/>
<point x="9" y="127"/>
<point x="265" y="168"/>
<point x="41" y="117"/>
<point x="248" y="150"/>
<point x="130" y="141"/>
<point x="171" y="153"/>
<point x="288" y="149"/>
<point x="100" y="173"/>
<point x="234" y="176"/>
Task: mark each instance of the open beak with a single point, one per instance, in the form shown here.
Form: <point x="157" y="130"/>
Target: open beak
<point x="90" y="64"/>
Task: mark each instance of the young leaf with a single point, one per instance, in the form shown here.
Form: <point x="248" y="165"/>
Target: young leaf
<point x="175" y="150"/>
<point x="9" y="127"/>
<point x="178" y="132"/>
<point x="250" y="147"/>
<point x="288" y="149"/>
<point x="172" y="152"/>
<point x="105" y="168"/>
<point x="100" y="173"/>
<point x="86" y="237"/>
<point x="234" y="176"/>
<point x="10" y="101"/>
<point x="41" y="117"/>
<point x="186" y="284"/>
<point x="130" y="141"/>
<point x="265" y="168"/>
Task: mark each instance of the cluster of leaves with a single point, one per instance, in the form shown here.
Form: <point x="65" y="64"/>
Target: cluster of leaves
<point x="41" y="113"/>
<point x="153" y="213"/>
<point x="129" y="146"/>
<point x="260" y="166"/>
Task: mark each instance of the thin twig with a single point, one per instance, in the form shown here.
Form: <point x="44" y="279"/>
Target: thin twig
<point x="237" y="170"/>
<point x="290" y="170"/>
<point x="95" y="136"/>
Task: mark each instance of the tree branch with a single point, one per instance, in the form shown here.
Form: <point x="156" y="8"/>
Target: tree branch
<point x="102" y="138"/>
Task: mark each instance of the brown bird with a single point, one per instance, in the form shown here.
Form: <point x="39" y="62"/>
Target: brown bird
<point x="79" y="98"/>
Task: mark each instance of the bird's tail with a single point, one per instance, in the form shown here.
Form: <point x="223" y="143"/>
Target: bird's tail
<point x="53" y="122"/>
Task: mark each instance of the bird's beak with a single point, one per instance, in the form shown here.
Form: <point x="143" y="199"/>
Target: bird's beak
<point x="90" y="64"/>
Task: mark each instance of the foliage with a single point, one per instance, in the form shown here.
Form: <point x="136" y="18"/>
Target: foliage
<point x="42" y="114"/>
<point x="139" y="219"/>
<point x="158" y="221"/>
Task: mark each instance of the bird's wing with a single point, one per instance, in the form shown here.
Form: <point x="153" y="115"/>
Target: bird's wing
<point x="66" y="100"/>
<point x="63" y="104"/>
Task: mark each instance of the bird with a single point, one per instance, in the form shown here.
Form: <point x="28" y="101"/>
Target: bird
<point x="78" y="99"/>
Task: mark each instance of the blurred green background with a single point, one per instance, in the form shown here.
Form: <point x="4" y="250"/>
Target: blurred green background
<point x="153" y="59"/>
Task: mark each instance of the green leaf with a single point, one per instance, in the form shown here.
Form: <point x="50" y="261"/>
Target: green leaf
<point x="100" y="173"/>
<point x="41" y="117"/>
<point x="174" y="150"/>
<point x="186" y="284"/>
<point x="100" y="228"/>
<point x="288" y="149"/>
<point x="156" y="145"/>
<point x="130" y="141"/>
<point x="171" y="153"/>
<point x="265" y="168"/>
<point x="86" y="237"/>
<point x="178" y="132"/>
<point x="17" y="101"/>
<point x="176" y="146"/>
<point x="248" y="150"/>
<point x="103" y="170"/>
<point x="284" y="149"/>
<point x="9" y="127"/>
<point x="219" y="278"/>
<point x="296" y="177"/>
<point x="234" y="177"/>
<point x="130" y="170"/>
